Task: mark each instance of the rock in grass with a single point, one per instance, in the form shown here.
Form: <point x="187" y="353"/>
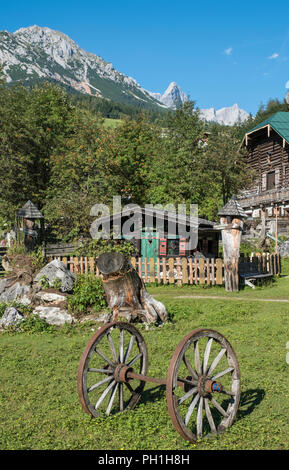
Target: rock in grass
<point x="54" y="271"/>
<point x="17" y="292"/>
<point x="53" y="315"/>
<point x="11" y="317"/>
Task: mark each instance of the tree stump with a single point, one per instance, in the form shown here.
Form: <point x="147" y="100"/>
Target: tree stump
<point x="125" y="291"/>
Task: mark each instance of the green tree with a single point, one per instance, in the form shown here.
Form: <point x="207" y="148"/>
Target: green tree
<point x="175" y="172"/>
<point x="77" y="178"/>
<point x="129" y="154"/>
<point x="224" y="169"/>
<point x="32" y="124"/>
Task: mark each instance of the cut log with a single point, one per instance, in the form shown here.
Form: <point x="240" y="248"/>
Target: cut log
<point x="125" y="291"/>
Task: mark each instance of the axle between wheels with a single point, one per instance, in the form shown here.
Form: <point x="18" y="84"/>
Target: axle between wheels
<point x="202" y="394"/>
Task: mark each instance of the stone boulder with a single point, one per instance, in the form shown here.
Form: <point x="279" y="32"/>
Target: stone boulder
<point x="50" y="298"/>
<point x="11" y="317"/>
<point x="53" y="315"/>
<point x="57" y="270"/>
<point x="15" y="292"/>
<point x="284" y="249"/>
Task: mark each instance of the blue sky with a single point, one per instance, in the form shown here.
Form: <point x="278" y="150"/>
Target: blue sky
<point x="219" y="52"/>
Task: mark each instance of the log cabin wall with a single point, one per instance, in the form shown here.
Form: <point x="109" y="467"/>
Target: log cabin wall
<point x="268" y="155"/>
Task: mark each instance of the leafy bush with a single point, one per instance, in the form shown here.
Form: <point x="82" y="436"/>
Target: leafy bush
<point x="88" y="294"/>
<point x="96" y="247"/>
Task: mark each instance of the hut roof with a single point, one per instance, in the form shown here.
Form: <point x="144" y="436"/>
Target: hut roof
<point x="278" y="121"/>
<point x="232" y="208"/>
<point x="29" y="211"/>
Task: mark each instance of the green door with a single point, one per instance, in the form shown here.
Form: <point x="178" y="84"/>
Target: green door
<point x="149" y="247"/>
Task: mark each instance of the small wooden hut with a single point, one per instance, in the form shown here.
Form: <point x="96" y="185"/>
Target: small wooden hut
<point x="27" y="218"/>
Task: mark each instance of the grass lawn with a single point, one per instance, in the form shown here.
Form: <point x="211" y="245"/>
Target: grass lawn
<point x="40" y="408"/>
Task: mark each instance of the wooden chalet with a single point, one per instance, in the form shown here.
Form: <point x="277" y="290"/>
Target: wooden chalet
<point x="267" y="202"/>
<point x="151" y="244"/>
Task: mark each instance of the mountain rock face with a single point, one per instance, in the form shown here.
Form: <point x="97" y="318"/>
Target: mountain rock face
<point x="172" y="97"/>
<point x="39" y="53"/>
<point x="35" y="53"/>
<point x="227" y="116"/>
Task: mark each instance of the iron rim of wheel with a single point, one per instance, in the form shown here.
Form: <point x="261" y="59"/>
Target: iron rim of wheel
<point x="116" y="346"/>
<point x="189" y="407"/>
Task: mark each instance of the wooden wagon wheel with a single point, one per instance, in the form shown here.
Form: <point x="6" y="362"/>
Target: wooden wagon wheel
<point x="203" y="405"/>
<point x="102" y="384"/>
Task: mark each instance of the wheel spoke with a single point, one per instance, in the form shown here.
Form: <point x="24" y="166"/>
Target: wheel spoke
<point x="200" y="417"/>
<point x="219" y="408"/>
<point x="187" y="395"/>
<point x="207" y="354"/>
<point x="104" y="357"/>
<point x="224" y="372"/>
<point x="112" y="347"/>
<point x="107" y="379"/>
<point x="102" y="371"/>
<point x="216" y="361"/>
<point x="197" y="358"/>
<point x="227" y="392"/>
<point x="103" y="395"/>
<point x="209" y="416"/>
<point x="108" y="409"/>
<point x="129" y="348"/>
<point x="191" y="409"/>
<point x="135" y="359"/>
<point x="189" y="367"/>
<point x="121" y="340"/>
<point x="120" y="397"/>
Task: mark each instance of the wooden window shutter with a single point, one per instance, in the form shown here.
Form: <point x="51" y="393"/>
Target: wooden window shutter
<point x="163" y="246"/>
<point x="182" y="247"/>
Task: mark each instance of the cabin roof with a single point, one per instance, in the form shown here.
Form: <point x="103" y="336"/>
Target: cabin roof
<point x="29" y="211"/>
<point x="278" y="121"/>
<point x="157" y="213"/>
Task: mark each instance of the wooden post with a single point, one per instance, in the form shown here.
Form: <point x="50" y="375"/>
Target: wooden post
<point x="232" y="216"/>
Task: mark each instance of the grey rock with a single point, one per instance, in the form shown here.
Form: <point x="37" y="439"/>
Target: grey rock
<point x="10" y="317"/>
<point x="284" y="249"/>
<point x="50" y="297"/>
<point x="4" y="283"/>
<point x="57" y="270"/>
<point x="53" y="315"/>
<point x="16" y="292"/>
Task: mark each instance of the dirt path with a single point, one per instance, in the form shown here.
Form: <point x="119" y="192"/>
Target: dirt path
<point x="219" y="297"/>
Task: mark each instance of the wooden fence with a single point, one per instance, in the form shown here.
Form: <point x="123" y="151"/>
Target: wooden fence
<point x="176" y="270"/>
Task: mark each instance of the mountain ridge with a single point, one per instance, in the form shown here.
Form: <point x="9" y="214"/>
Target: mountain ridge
<point x="42" y="53"/>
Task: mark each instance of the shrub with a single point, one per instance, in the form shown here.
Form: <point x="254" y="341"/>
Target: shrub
<point x="88" y="294"/>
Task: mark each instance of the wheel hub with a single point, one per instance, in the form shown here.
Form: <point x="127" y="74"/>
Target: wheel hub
<point x="120" y="373"/>
<point x="207" y="386"/>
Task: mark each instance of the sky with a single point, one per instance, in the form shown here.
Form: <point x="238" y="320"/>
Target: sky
<point x="219" y="52"/>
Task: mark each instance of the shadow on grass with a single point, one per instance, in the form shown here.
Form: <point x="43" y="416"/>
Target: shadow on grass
<point x="153" y="394"/>
<point x="250" y="399"/>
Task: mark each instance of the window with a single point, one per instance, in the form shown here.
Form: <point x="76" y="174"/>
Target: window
<point x="271" y="180"/>
<point x="173" y="247"/>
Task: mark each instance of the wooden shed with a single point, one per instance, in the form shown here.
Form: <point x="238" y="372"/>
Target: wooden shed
<point x="150" y="242"/>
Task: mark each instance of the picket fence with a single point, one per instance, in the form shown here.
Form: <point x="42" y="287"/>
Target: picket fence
<point x="176" y="270"/>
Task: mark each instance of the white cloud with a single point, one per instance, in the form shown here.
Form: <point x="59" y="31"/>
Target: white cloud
<point x="274" y="56"/>
<point x="228" y="51"/>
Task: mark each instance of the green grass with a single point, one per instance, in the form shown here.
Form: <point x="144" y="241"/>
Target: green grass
<point x="111" y="123"/>
<point x="40" y="408"/>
